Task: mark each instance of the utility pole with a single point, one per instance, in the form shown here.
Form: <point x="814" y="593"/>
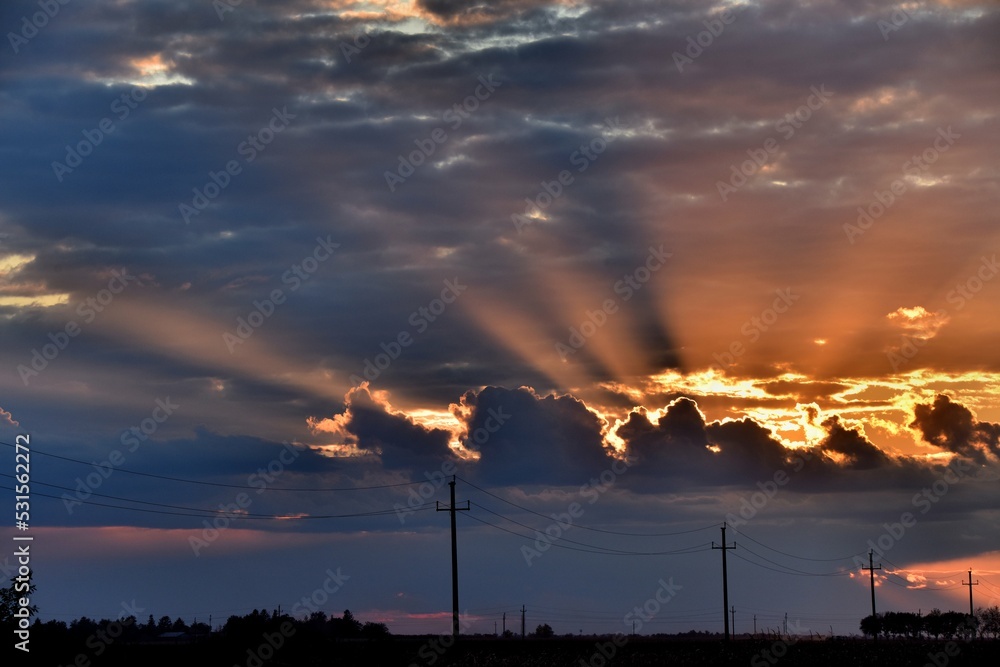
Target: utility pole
<point x="454" y="556"/>
<point x="522" y="620"/>
<point x="725" y="580"/>
<point x="733" y="625"/>
<point x="504" y="625"/>
<point x="871" y="569"/>
<point x="755" y="625"/>
<point x="970" y="585"/>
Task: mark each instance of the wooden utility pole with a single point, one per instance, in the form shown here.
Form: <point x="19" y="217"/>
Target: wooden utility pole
<point x="454" y="556"/>
<point x="970" y="584"/>
<point x="871" y="570"/>
<point x="725" y="580"/>
<point x="522" y="620"/>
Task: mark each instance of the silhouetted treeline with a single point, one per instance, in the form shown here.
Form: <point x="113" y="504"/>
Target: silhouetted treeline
<point x="241" y="629"/>
<point x="936" y="624"/>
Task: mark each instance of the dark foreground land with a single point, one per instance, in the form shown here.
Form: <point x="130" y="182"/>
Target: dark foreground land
<point x="219" y="651"/>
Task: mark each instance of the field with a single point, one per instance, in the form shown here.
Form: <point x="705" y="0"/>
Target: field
<point x="559" y="652"/>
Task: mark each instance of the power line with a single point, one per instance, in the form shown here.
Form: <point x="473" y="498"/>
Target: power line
<point x="211" y="513"/>
<point x="785" y="553"/>
<point x="792" y="570"/>
<point x="918" y="588"/>
<point x="228" y="486"/>
<point x="583" y="544"/>
<point x="593" y="549"/>
<point x="178" y="507"/>
<point x="596" y="530"/>
<point x="796" y="574"/>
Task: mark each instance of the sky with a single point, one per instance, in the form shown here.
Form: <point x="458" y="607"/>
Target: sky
<point x="272" y="273"/>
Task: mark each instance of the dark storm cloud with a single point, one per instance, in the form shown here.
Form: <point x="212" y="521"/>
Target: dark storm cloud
<point x="537" y="440"/>
<point x="399" y="441"/>
<point x="952" y="426"/>
<point x="458" y="11"/>
<point x="682" y="451"/>
<point x="859" y="453"/>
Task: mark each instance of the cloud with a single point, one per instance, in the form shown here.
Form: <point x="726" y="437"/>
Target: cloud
<point x="8" y="417"/>
<point x="850" y="448"/>
<point x="952" y="427"/>
<point x="462" y="12"/>
<point x="370" y="425"/>
<point x="677" y="441"/>
<point x="545" y="440"/>
<point x="918" y="322"/>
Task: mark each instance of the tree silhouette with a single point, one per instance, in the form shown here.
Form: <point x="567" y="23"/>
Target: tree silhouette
<point x="989" y="621"/>
<point x="871" y="626"/>
<point x="372" y="630"/>
<point x="932" y="623"/>
<point x="544" y="631"/>
<point x="345" y="627"/>
<point x="9" y="598"/>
